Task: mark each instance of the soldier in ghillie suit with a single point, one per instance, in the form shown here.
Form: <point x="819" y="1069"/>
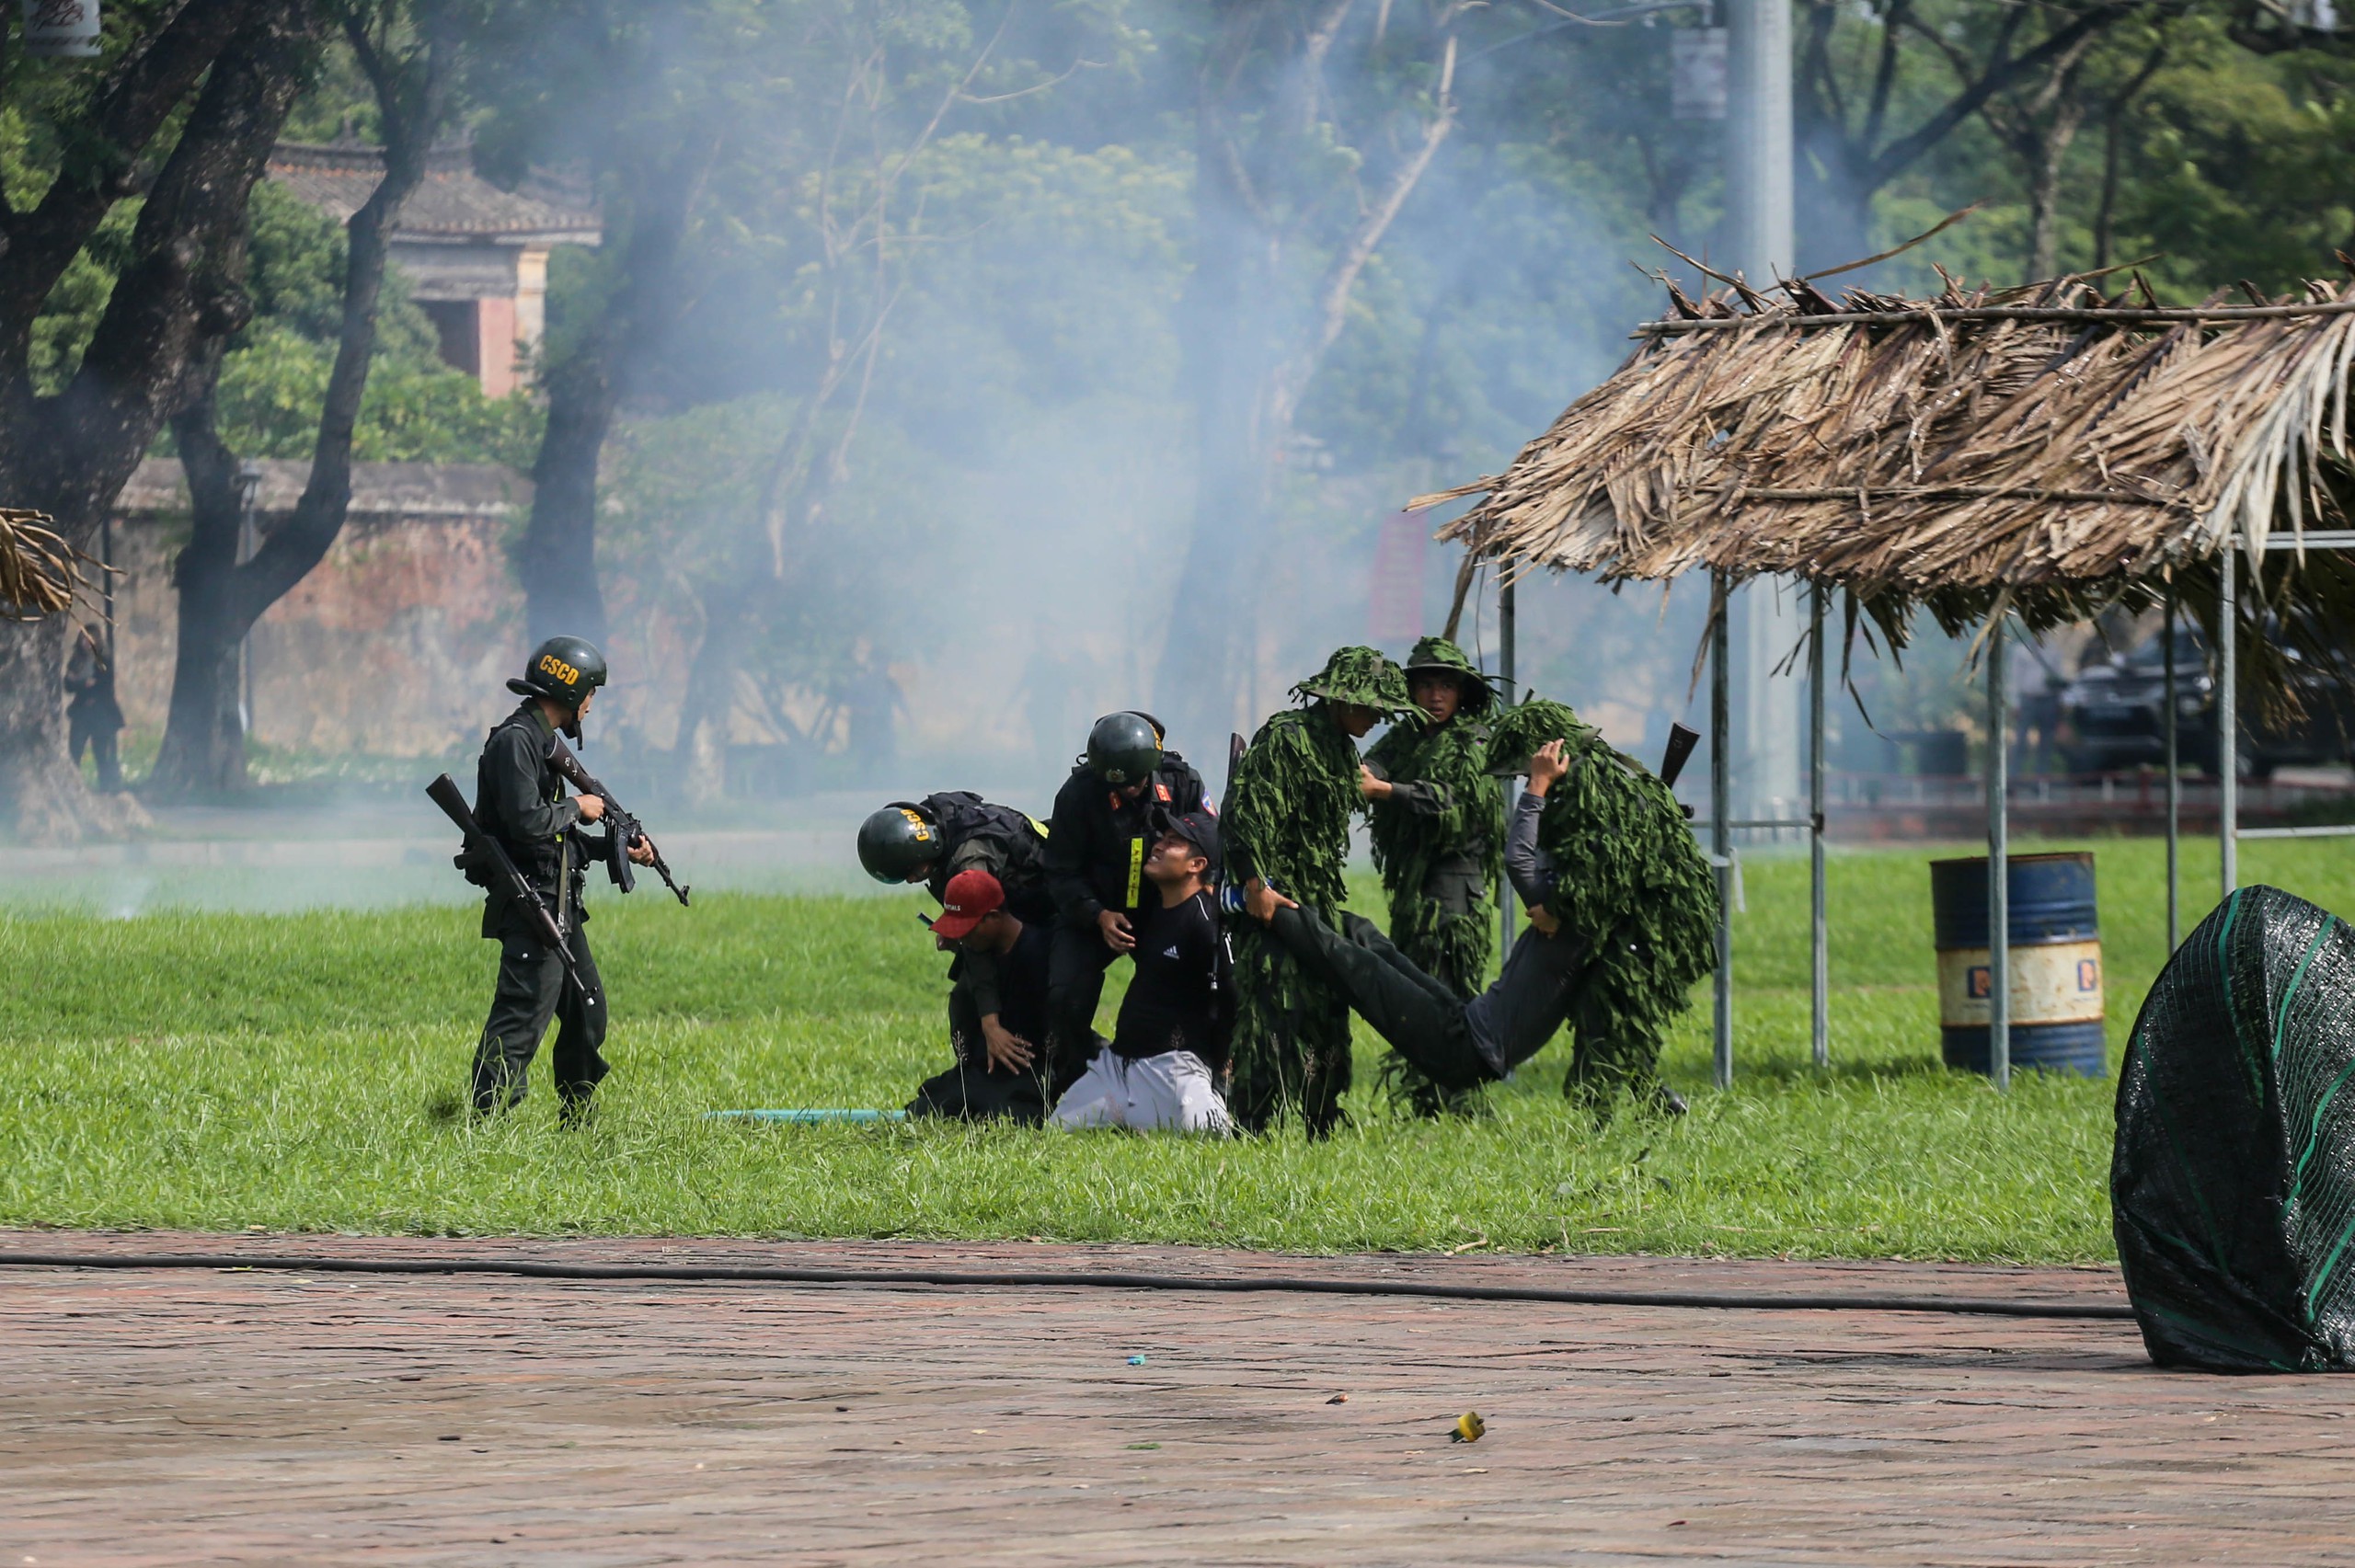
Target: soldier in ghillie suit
<point x="1629" y="881"/>
<point x="1439" y="834"/>
<point x="1620" y="912"/>
<point x="1287" y="826"/>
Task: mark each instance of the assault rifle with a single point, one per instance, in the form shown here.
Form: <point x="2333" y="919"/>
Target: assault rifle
<point x="622" y="829"/>
<point x="481" y="847"/>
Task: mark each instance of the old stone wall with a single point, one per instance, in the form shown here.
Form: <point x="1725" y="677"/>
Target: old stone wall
<point x="397" y="645"/>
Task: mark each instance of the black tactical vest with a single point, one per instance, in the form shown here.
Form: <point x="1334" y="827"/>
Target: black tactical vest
<point x="960" y="816"/>
<point x="540" y="860"/>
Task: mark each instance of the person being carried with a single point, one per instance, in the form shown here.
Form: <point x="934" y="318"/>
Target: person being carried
<point x="1103" y="826"/>
<point x="1553" y="975"/>
<point x="1287" y="826"/>
<point x="520" y="801"/>
<point x="1160" y="1071"/>
<point x="1438" y="819"/>
<point x="935" y="841"/>
<point x="999" y="1052"/>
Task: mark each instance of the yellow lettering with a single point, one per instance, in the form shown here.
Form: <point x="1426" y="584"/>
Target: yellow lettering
<point x="1136" y="868"/>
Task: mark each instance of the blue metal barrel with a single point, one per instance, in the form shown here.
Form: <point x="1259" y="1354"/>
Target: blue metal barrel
<point x="2056" y="984"/>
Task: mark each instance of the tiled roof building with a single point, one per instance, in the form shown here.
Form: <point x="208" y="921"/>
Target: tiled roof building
<point x="476" y="257"/>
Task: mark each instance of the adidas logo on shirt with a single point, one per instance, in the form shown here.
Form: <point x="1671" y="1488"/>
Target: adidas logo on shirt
<point x="1169" y="952"/>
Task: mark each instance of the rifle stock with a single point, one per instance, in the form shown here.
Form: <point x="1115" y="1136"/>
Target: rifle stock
<point x="1680" y="742"/>
<point x="444" y="793"/>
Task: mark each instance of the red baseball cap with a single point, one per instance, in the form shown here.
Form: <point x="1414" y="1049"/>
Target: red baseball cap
<point x="970" y="898"/>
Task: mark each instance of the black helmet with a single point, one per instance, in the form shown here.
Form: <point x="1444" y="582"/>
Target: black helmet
<point x="897" y="842"/>
<point x="563" y="669"/>
<point x="1124" y="748"/>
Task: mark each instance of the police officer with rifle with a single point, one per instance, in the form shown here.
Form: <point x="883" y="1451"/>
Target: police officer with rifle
<point x="524" y="845"/>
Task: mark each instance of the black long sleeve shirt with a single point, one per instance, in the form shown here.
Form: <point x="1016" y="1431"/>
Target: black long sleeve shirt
<point x="520" y="801"/>
<point x="1512" y="1021"/>
<point x="1097" y="842"/>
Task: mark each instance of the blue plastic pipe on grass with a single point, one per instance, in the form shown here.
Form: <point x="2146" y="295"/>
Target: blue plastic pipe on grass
<point x="806" y="1117"/>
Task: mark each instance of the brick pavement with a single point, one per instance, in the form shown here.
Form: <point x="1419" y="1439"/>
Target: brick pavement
<point x="216" y="1417"/>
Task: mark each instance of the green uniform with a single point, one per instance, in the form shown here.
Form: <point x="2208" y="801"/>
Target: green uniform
<point x="1287" y="822"/>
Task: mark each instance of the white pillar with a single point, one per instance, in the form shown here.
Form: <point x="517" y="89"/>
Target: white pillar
<point x="1758" y="139"/>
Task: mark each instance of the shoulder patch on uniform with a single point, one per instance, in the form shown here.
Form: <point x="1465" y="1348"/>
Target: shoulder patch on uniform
<point x="1162" y="792"/>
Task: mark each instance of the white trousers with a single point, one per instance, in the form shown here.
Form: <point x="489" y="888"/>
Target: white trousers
<point x="1171" y="1092"/>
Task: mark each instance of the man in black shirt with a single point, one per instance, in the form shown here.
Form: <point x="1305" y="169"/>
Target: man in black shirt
<point x="995" y="1031"/>
<point x="1106" y="819"/>
<point x="1159" y="1071"/>
<point x="1459" y="1044"/>
<point x="520" y="801"/>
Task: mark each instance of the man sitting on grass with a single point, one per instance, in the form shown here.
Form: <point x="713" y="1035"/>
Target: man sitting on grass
<point x="1179" y="1013"/>
<point x="996" y="1032"/>
<point x="1555" y="975"/>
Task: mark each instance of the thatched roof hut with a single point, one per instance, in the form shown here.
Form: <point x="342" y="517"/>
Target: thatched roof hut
<point x="2048" y="449"/>
<point x="39" y="571"/>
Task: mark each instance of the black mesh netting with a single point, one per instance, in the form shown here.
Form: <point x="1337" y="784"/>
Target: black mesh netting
<point x="2233" y="1184"/>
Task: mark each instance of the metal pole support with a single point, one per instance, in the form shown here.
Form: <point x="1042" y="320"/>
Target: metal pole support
<point x="2175" y="782"/>
<point x="2228" y="718"/>
<point x="1507" y="617"/>
<point x="1999" y="852"/>
<point x="1722" y="816"/>
<point x="1820" y="947"/>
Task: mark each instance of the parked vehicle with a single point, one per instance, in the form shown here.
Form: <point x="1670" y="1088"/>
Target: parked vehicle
<point x="2112" y="715"/>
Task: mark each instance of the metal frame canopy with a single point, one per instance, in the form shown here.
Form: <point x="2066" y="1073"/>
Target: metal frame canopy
<point x="2032" y="456"/>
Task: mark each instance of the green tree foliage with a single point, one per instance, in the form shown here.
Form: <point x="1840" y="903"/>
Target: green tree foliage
<point x="418" y="408"/>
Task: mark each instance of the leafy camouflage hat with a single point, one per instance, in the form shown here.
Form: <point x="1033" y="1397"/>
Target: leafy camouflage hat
<point x="1360" y="676"/>
<point x="1435" y="655"/>
<point x="1515" y="737"/>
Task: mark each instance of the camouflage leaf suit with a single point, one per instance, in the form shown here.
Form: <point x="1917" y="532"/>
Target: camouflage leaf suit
<point x="1439" y="844"/>
<point x="1287" y="822"/>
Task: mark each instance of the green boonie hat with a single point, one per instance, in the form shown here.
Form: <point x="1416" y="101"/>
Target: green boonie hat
<point x="1360" y="676"/>
<point x="1437" y="656"/>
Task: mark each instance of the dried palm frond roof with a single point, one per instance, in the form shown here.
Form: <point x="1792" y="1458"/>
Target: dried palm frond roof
<point x="2048" y="447"/>
<point x="39" y="570"/>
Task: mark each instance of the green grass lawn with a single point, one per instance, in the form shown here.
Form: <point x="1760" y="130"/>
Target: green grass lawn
<point x="219" y="1071"/>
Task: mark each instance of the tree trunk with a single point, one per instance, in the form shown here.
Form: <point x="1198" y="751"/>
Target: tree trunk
<point x="204" y="734"/>
<point x="2044" y="190"/>
<point x="151" y="82"/>
<point x="220" y="600"/>
<point x="558" y="560"/>
<point x="70" y="455"/>
<point x="51" y="802"/>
